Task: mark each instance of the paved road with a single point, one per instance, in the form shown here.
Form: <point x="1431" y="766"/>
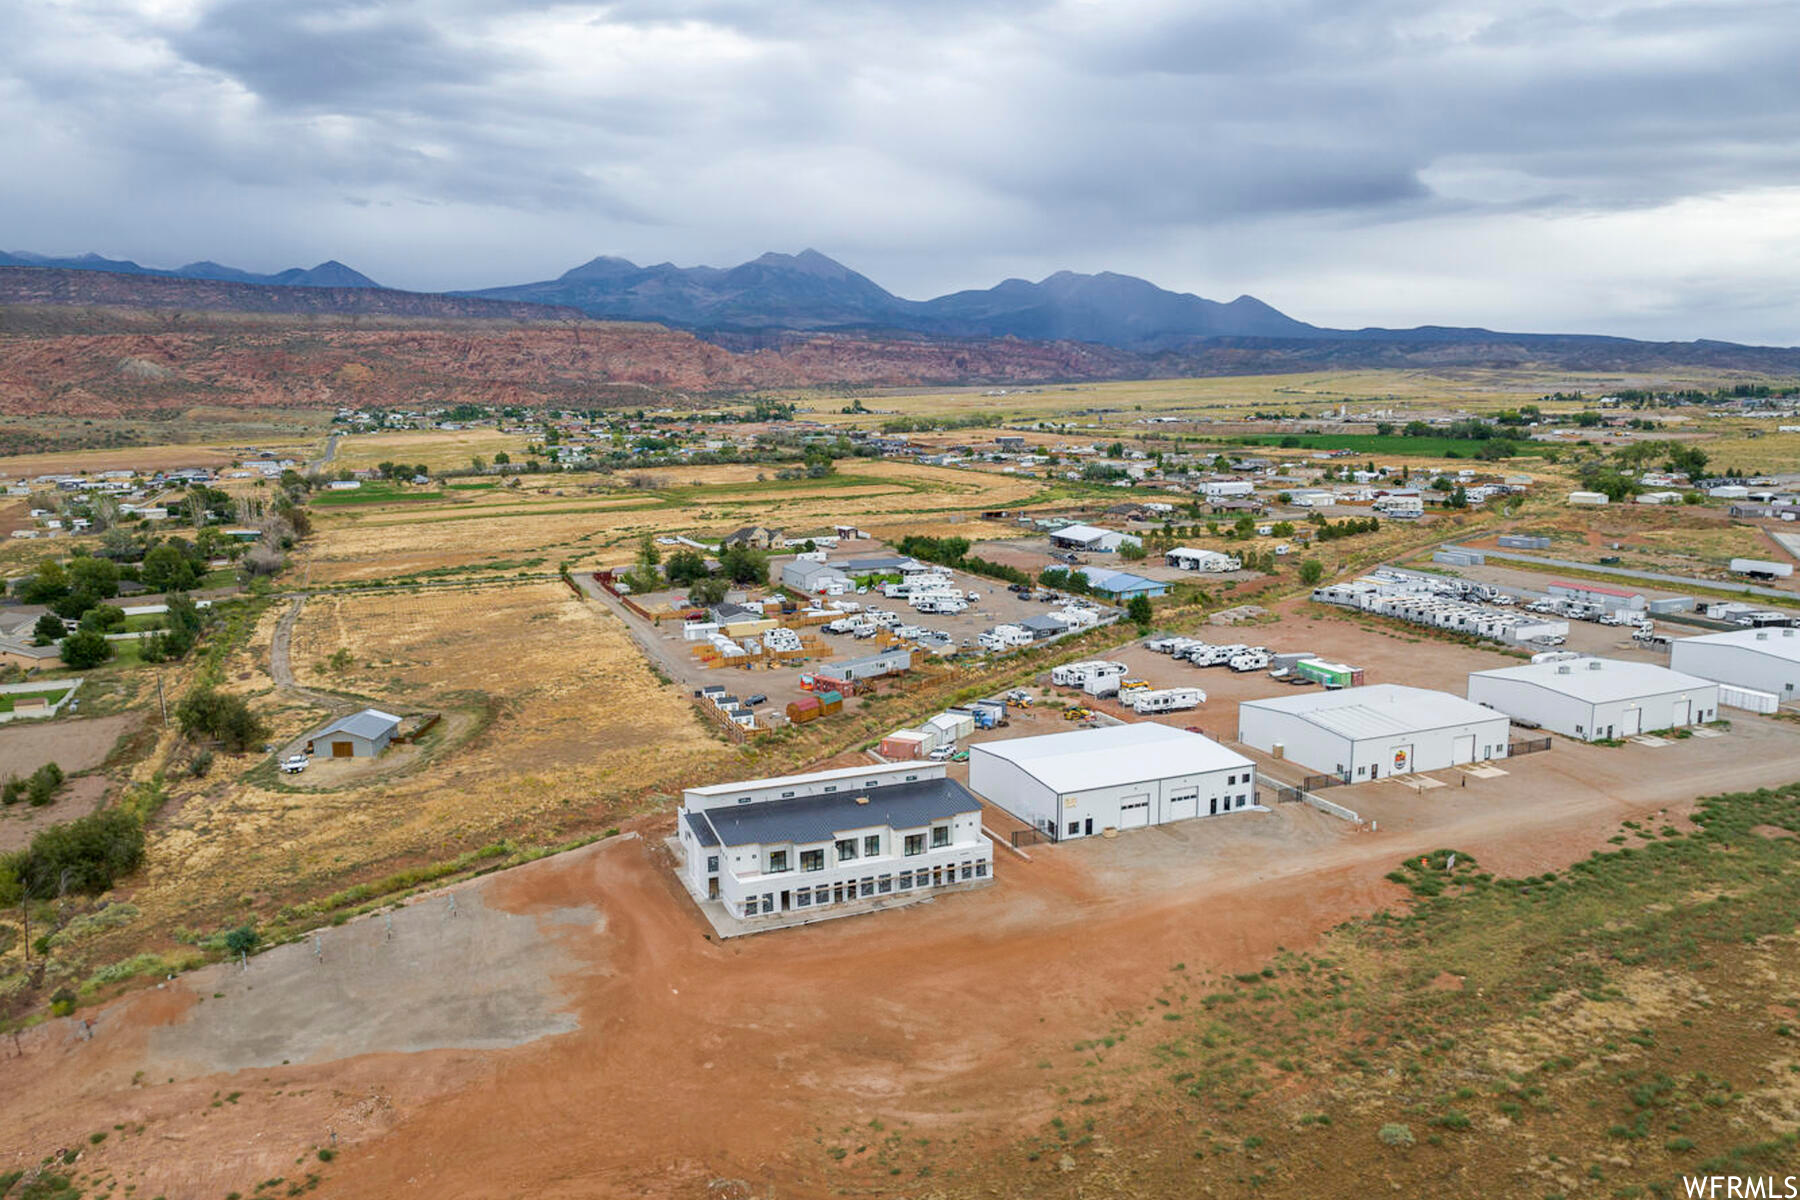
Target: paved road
<point x="1748" y="589"/>
<point x="330" y="453"/>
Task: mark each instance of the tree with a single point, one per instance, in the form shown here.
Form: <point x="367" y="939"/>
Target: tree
<point x="741" y="564"/>
<point x="502" y="459"/>
<point x="103" y="618"/>
<point x="684" y="567"/>
<point x="206" y="712"/>
<point x="1311" y="571"/>
<point x="649" y="554"/>
<point x="242" y="940"/>
<point x="167" y="569"/>
<point x="85" y="649"/>
<point x="1132" y="551"/>
<point x="49" y="630"/>
<point x="1140" y="612"/>
<point x="1689" y="460"/>
<point x="707" y="591"/>
<point x="48" y="583"/>
<point x="97" y="575"/>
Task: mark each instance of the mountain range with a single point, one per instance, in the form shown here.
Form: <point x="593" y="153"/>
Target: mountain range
<point x="779" y="296"/>
<point x="331" y="273"/>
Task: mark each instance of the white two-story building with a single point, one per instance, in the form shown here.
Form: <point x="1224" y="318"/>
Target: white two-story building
<point x="830" y="843"/>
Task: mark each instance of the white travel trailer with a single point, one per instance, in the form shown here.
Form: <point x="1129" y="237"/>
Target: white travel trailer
<point x="1167" y="700"/>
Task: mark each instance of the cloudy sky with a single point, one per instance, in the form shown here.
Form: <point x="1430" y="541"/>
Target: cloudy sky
<point x="1573" y="165"/>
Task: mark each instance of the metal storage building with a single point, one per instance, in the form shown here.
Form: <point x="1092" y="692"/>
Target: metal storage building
<point x="1593" y="698"/>
<point x="1365" y="733"/>
<point x="1765" y="660"/>
<point x="360" y="735"/>
<point x="1079" y="784"/>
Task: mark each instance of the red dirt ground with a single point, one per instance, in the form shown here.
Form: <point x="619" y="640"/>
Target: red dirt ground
<point x="695" y="1060"/>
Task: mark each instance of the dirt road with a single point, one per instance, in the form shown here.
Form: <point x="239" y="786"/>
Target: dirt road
<point x="582" y="1037"/>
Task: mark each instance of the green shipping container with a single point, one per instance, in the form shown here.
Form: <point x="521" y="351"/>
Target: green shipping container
<point x="1324" y="672"/>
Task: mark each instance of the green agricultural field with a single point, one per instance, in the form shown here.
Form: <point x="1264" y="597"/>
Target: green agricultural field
<point x="374" y="492"/>
<point x="1374" y="443"/>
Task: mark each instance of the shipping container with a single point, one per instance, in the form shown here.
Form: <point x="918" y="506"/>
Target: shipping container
<point x="1331" y="674"/>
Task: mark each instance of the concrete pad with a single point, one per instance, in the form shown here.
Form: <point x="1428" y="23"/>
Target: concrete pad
<point x="1701" y="731"/>
<point x="1650" y="739"/>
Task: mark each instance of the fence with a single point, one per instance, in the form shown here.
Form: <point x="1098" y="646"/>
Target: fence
<point x="1530" y="746"/>
<point x="1283" y="793"/>
<point x="1028" y="837"/>
<point x="1316" y="783"/>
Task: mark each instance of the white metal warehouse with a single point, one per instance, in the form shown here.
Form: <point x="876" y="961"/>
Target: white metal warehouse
<point x="1365" y="733"/>
<point x="1594" y="698"/>
<point x="1079" y="784"/>
<point x="1765" y="660"/>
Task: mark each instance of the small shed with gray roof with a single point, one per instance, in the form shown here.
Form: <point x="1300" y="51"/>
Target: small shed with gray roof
<point x="360" y="735"/>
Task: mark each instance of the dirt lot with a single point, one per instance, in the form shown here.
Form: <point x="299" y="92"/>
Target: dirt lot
<point x="75" y="744"/>
<point x="79" y="797"/>
<point x="603" y="1012"/>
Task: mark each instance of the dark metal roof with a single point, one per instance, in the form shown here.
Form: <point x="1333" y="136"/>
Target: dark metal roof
<point x="822" y="818"/>
<point x="702" y="831"/>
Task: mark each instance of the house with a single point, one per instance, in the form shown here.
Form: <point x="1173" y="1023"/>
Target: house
<point x="1364" y="733"/>
<point x="360" y="735"/>
<point x="830" y="843"/>
<point x="1594" y="698"/>
<point x="344" y="485"/>
<point x="1122" y="585"/>
<point x="1089" y="537"/>
<point x="755" y="537"/>
<point x="1079" y="784"/>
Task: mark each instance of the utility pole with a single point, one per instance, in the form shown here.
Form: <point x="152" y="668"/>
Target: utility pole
<point x="161" y="702"/>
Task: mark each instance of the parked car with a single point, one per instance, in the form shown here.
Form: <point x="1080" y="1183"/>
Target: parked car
<point x="293" y="764"/>
<point x="757" y="699"/>
<point x="942" y="753"/>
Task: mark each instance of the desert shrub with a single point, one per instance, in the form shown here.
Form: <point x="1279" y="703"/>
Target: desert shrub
<point x="85" y="855"/>
<point x="1395" y="1134"/>
<point x="207" y="712"/>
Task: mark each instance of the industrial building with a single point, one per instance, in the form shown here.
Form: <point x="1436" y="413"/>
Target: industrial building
<point x="830" y="843"/>
<point x="1079" y="784"/>
<point x="1090" y="537"/>
<point x="1121" y="585"/>
<point x="1595" y="698"/>
<point x="1763" y="660"/>
<point x="360" y="735"/>
<point x="1365" y="733"/>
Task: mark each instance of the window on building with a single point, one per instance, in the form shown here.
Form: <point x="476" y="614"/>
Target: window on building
<point x="712" y="864"/>
<point x="1361" y="771"/>
<point x="1074" y="828"/>
<point x="846" y="850"/>
<point x="1230" y="779"/>
<point x="831" y="787"/>
<point x="905" y="880"/>
<point x="981" y="870"/>
<point x="968" y="870"/>
<point x="940" y="835"/>
<point x="778" y="861"/>
<point x="812" y="860"/>
<point x="872" y="846"/>
<point x="803" y="898"/>
<point x="768" y="902"/>
<point x="911" y="778"/>
<point x="885" y="884"/>
<point x="868" y="887"/>
<point x="915" y="843"/>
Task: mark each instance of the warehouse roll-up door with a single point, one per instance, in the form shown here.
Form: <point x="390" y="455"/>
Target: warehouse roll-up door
<point x="1184" y="805"/>
<point x="1464" y="750"/>
<point x="1134" y="812"/>
<point x="342" y="750"/>
<point x="1633" y="722"/>
<point x="1683" y="713"/>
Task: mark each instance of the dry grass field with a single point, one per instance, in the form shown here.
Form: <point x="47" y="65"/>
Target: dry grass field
<point x="437" y="449"/>
<point x="596" y="520"/>
<point x="552" y="722"/>
<point x="1238" y="396"/>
